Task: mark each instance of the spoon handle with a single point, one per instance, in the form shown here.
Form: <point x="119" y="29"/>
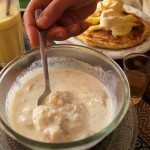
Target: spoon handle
<point x="43" y="52"/>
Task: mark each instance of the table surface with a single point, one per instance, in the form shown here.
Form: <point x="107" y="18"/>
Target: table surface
<point x="142" y="111"/>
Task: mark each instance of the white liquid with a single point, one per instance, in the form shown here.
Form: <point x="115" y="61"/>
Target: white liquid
<point x="87" y="91"/>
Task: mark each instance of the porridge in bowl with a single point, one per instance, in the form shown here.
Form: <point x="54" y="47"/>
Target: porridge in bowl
<point x="79" y="105"/>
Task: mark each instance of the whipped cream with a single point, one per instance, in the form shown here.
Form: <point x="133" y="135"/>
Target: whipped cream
<point x="116" y="5"/>
<point x="112" y="18"/>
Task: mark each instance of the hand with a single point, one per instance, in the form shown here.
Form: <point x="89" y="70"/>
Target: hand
<point x="60" y="19"/>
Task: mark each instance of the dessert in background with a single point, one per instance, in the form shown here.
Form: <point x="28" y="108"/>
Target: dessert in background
<point x="112" y="27"/>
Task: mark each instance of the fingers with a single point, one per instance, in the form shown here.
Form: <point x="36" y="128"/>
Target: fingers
<point x="67" y="15"/>
<point x="58" y="33"/>
<point x="51" y="14"/>
<point x="31" y="29"/>
<point x="29" y="22"/>
<point x="76" y="29"/>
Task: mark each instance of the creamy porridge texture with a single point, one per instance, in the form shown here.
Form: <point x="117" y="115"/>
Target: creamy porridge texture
<point x="78" y="107"/>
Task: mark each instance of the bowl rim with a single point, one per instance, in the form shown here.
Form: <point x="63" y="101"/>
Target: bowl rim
<point x="100" y="135"/>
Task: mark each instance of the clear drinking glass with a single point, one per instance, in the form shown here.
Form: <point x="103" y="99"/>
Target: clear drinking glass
<point x="137" y="70"/>
<point x="11" y="35"/>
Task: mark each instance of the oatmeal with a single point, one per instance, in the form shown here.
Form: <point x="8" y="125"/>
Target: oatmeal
<point x="78" y="106"/>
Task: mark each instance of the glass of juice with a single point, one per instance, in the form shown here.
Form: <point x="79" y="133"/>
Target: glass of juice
<point x="11" y="33"/>
<point x="136" y="67"/>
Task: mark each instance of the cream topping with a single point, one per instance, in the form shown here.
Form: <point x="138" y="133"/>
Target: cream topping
<point x="111" y="18"/>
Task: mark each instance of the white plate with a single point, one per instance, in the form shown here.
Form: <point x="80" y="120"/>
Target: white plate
<point x="118" y="54"/>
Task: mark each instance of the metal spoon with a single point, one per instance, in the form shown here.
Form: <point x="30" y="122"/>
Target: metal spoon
<point x="43" y="52"/>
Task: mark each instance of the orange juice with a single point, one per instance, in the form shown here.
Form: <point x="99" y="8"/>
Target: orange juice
<point x="11" y="37"/>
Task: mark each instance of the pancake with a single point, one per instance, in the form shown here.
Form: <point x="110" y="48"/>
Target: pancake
<point x="105" y="39"/>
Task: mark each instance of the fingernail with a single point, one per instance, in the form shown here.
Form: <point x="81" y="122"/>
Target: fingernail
<point x="43" y="22"/>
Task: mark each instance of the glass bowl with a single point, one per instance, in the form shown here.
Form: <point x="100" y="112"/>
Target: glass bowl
<point x="121" y="94"/>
